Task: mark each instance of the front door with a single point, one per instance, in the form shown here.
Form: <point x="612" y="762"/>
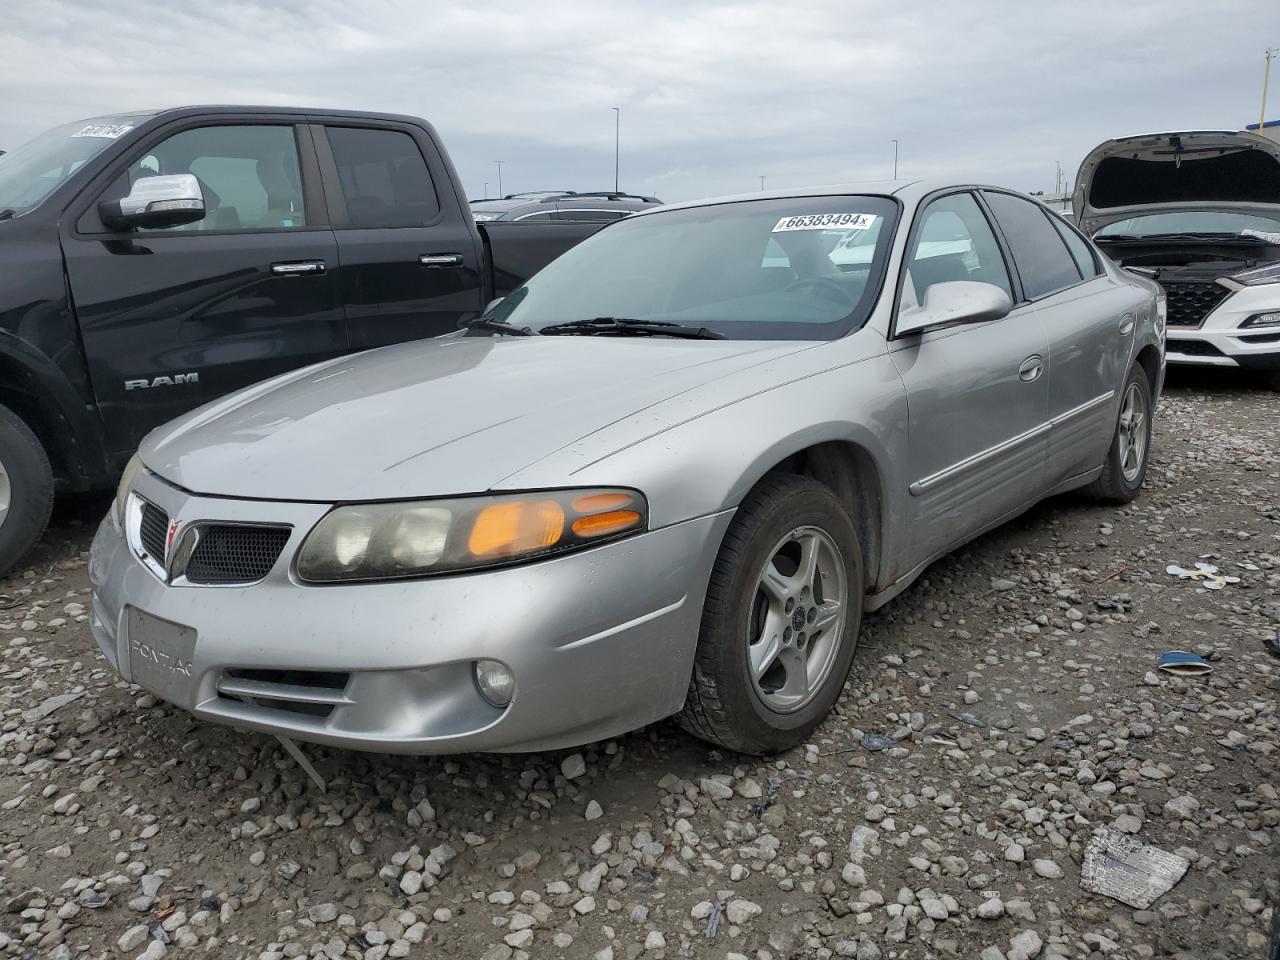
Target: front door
<point x="410" y="264"/>
<point x="977" y="397"/>
<point x="1089" y="323"/>
<point x="173" y="318"/>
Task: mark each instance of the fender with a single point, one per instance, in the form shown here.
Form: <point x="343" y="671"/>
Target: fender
<point x="69" y="426"/>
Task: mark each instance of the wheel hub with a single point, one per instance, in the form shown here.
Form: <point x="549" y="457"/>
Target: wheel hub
<point x="1132" y="432"/>
<point x="6" y="493"/>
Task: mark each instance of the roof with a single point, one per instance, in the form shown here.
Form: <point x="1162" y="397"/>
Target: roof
<point x="881" y="188"/>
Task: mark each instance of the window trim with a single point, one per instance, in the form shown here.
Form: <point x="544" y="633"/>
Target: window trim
<point x="1062" y="223"/>
<point x="561" y="215"/>
<point x="917" y="224"/>
<point x="1044" y="211"/>
<point x="339" y="217"/>
<point x="312" y="195"/>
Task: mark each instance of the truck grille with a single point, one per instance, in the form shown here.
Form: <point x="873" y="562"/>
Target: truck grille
<point x="235" y="553"/>
<point x="1190" y="303"/>
<point x="153" y="531"/>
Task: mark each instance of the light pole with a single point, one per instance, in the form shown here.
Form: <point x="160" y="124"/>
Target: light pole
<point x="486" y="189"/>
<point x="1266" y="78"/>
<point x="895" y="159"/>
<point x="617" y="144"/>
<point x="500" y="163"/>
<point x="1057" y="178"/>
<point x="762" y="182"/>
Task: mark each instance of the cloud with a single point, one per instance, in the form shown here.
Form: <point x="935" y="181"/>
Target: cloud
<point x="713" y="94"/>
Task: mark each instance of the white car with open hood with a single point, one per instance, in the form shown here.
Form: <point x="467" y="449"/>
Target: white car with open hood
<point x="1199" y="212"/>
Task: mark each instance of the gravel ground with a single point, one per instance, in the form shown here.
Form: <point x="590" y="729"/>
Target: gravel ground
<point x="1016" y="683"/>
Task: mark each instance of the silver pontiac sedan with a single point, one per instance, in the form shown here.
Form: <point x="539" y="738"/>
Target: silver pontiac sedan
<point x="666" y="476"/>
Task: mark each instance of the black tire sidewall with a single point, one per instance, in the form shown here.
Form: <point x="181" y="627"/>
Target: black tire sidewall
<point x="31" y="489"/>
<point x="806" y="504"/>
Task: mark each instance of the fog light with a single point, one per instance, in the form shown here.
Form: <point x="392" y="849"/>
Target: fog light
<point x="1263" y="320"/>
<point x="495" y="682"/>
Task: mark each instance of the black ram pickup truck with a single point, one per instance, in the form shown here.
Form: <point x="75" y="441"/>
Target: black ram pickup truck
<point x="151" y="262"/>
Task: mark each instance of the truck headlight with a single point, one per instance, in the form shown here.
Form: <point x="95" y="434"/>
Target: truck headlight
<point x="387" y="541"/>
<point x="131" y="471"/>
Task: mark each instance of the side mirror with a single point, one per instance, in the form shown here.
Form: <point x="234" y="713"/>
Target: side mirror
<point x="954" y="302"/>
<point x="156" y="202"/>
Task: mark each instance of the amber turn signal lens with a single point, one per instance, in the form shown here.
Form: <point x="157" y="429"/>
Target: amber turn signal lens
<point x="515" y="528"/>
<point x="601" y="502"/>
<point x="603" y="524"/>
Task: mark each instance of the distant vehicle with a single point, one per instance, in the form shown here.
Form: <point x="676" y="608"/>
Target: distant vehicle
<point x="151" y="262"/>
<point x="1199" y="212"/>
<point x="567" y="206"/>
<point x="664" y="476"/>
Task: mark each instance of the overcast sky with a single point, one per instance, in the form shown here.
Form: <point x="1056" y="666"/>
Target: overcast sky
<point x="712" y="94"/>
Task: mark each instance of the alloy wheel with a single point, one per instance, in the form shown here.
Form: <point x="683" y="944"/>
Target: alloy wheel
<point x="1133" y="432"/>
<point x="797" y="619"/>
<point x="6" y="493"/>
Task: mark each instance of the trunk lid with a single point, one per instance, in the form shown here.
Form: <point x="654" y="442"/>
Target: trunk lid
<point x="1212" y="170"/>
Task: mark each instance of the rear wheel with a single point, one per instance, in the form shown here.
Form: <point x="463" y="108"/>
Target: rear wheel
<point x="1126" y="466"/>
<point x="26" y="489"/>
<point x="780" y="622"/>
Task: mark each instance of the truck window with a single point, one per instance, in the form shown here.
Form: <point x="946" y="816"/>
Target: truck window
<point x="249" y="175"/>
<point x="384" y="179"/>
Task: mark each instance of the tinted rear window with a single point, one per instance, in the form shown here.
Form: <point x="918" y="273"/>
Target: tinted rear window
<point x="1039" y="253"/>
<point x="384" y="179"/>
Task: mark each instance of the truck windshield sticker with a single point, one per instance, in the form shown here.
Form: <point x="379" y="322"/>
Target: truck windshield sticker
<point x="105" y="131"/>
<point x="827" y="221"/>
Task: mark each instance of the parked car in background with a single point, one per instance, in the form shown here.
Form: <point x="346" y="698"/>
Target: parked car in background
<point x="150" y="262"/>
<point x="667" y="476"/>
<point x="1199" y="211"/>
<point x="601" y="207"/>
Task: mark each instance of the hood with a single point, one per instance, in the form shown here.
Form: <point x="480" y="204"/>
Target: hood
<point x="433" y="418"/>
<point x="1169" y="172"/>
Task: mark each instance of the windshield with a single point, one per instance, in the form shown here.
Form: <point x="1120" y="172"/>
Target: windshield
<point x="1190" y="222"/>
<point x="754" y="270"/>
<point x="29" y="173"/>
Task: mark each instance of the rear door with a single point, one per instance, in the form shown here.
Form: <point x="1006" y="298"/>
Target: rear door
<point x="977" y="399"/>
<point x="173" y="318"/>
<point x="1089" y="322"/>
<point x="411" y="263"/>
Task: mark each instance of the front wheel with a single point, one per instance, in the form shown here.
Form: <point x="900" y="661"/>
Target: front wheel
<point x="26" y="489"/>
<point x="1126" y="465"/>
<point x="781" y="620"/>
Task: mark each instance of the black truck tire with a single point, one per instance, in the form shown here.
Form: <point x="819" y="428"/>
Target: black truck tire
<point x="26" y="489"/>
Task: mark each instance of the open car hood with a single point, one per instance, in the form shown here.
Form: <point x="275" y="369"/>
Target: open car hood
<point x="1220" y="170"/>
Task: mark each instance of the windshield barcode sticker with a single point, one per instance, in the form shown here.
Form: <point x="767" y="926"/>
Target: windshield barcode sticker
<point x="827" y="221"/>
<point x="105" y="131"/>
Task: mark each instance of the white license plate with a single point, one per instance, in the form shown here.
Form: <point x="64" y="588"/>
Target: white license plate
<point x="160" y="656"/>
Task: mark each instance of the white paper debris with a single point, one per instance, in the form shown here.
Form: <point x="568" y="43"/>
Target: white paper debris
<point x="1127" y="869"/>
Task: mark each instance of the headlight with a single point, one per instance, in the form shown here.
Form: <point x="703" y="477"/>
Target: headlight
<point x="1259" y="275"/>
<point x="1271" y="319"/>
<point x="384" y="541"/>
<point x="1162" y="313"/>
<point x="131" y="470"/>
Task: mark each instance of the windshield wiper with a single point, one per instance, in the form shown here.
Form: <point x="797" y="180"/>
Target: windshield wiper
<point x="8" y="213"/>
<point x="497" y="326"/>
<point x="627" y="327"/>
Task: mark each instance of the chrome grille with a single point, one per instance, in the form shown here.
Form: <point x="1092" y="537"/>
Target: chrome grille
<point x="1190" y="303"/>
<point x="235" y="553"/>
<point x="153" y="531"/>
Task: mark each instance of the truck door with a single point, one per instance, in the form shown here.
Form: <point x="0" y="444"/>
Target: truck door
<point x="410" y="259"/>
<point x="173" y="318"/>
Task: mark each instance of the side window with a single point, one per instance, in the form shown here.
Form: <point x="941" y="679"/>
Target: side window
<point x="1081" y="252"/>
<point x="384" y="179"/>
<point x="249" y="175"/>
<point x="955" y="242"/>
<point x="1039" y="252"/>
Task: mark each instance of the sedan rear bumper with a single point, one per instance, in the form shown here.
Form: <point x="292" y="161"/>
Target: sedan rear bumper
<point x="600" y="642"/>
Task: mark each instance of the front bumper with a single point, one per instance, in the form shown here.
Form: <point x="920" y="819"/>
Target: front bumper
<point x="1221" y="341"/>
<point x="600" y="642"/>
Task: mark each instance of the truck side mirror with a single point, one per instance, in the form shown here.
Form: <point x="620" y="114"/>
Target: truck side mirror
<point x="156" y="202"/>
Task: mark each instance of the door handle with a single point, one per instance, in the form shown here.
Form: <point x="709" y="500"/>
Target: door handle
<point x="298" y="268"/>
<point x="1031" y="368"/>
<point x="1126" y="325"/>
<point x="441" y="259"/>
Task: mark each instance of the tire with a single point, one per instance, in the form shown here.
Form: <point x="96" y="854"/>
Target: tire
<point x="26" y="490"/>
<point x="1273" y="381"/>
<point x="726" y="704"/>
<point x="1122" y="477"/>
